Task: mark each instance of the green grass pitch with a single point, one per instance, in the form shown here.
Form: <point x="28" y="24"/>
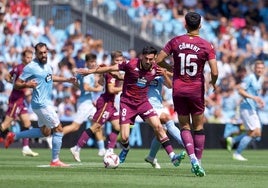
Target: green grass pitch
<point x="221" y="171"/>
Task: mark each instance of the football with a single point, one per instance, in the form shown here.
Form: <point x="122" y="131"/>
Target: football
<point x="111" y="161"/>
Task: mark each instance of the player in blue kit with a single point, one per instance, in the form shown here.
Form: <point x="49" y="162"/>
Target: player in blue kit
<point x="38" y="76"/>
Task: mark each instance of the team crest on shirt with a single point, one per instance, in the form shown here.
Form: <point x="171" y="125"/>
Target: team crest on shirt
<point x="48" y="78"/>
<point x="154" y="82"/>
<point x="141" y="82"/>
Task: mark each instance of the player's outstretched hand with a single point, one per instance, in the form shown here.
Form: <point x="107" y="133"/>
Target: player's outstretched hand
<point x="82" y="71"/>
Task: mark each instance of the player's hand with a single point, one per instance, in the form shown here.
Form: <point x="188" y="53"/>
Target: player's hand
<point x="72" y="80"/>
<point x="259" y="101"/>
<point x="213" y="85"/>
<point x="161" y="71"/>
<point x="31" y="83"/>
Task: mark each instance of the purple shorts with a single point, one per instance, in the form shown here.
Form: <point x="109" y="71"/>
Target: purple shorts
<point x="189" y="105"/>
<point x="106" y="111"/>
<point x="129" y="112"/>
<point x="16" y="109"/>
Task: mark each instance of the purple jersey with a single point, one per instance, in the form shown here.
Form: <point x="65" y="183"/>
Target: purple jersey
<point x="17" y="95"/>
<point x="106" y="110"/>
<point x="16" y="104"/>
<point x="190" y="53"/>
<point x="134" y="98"/>
<point x="136" y="81"/>
<point x="109" y="79"/>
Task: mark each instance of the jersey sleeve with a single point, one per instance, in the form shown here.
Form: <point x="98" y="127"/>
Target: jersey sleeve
<point x="27" y="73"/>
<point x="212" y="53"/>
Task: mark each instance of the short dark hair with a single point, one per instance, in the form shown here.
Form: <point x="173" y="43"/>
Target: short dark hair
<point x="192" y="20"/>
<point x="149" y="50"/>
<point x="40" y="45"/>
<point x="90" y="57"/>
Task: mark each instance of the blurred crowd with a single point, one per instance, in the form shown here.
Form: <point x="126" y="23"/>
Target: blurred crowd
<point x="237" y="29"/>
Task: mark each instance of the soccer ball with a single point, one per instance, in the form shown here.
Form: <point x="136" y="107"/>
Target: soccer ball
<point x="111" y="160"/>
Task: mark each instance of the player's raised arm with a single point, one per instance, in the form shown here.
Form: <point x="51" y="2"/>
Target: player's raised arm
<point x="97" y="70"/>
<point x="160" y="60"/>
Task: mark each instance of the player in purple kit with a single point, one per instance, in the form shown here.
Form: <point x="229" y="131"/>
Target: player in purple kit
<point x="16" y="104"/>
<point x="190" y="53"/>
<point x="106" y="111"/>
<point x="134" y="100"/>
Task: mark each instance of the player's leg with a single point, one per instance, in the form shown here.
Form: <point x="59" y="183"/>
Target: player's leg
<point x="100" y="142"/>
<point x="4" y="126"/>
<point x="26" y="150"/>
<point x="161" y="135"/>
<point x="47" y="116"/>
<point x="151" y="158"/>
<point x="198" y="135"/>
<point x="56" y="147"/>
<point x="112" y="139"/>
<point x="253" y="125"/>
<point x="74" y="126"/>
<point x="124" y="131"/>
<point x="84" y="110"/>
<point x="85" y="136"/>
<point x="188" y="141"/>
<point x="170" y="126"/>
<point x="31" y="133"/>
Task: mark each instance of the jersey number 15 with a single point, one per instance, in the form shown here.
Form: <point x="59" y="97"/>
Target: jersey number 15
<point x="187" y="66"/>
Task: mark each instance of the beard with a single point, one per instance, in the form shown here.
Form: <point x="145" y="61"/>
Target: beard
<point x="43" y="60"/>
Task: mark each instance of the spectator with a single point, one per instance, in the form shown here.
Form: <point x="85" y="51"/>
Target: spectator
<point x="79" y="60"/>
<point x="68" y="59"/>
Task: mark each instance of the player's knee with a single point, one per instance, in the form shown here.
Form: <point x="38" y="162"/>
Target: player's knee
<point x="124" y="138"/>
<point x="165" y="118"/>
<point x="257" y="133"/>
<point x="58" y="128"/>
<point x="46" y="131"/>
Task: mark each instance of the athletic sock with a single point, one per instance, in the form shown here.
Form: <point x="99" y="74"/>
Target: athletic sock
<point x="84" y="138"/>
<point x="56" y="145"/>
<point x="112" y="139"/>
<point x="174" y="131"/>
<point x="188" y="142"/>
<point x="243" y="143"/>
<point x="155" y="146"/>
<point x="199" y="143"/>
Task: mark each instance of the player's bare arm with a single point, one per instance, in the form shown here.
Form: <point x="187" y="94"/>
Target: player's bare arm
<point x="20" y="84"/>
<point x="160" y="60"/>
<point x="8" y="78"/>
<point x="214" y="72"/>
<point x="99" y="70"/>
<point x="245" y="94"/>
<point x="166" y="75"/>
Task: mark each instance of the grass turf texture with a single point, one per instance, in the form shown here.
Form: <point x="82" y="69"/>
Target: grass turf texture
<point x="221" y="171"/>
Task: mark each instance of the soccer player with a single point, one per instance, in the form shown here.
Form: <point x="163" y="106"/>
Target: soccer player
<point x="16" y="103"/>
<point x="106" y="111"/>
<point x="139" y="72"/>
<point x="38" y="76"/>
<point x="156" y="100"/>
<point x="190" y="53"/>
<point x="249" y="89"/>
<point x="85" y="107"/>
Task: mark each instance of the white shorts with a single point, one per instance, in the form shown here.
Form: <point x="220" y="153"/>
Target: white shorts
<point x="85" y="110"/>
<point x="47" y="116"/>
<point x="159" y="111"/>
<point x="250" y="119"/>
